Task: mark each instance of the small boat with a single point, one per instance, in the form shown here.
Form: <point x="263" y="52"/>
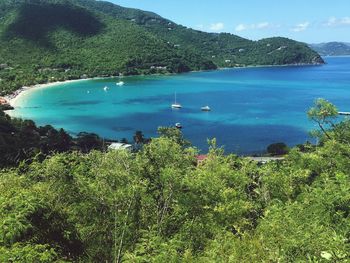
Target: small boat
<point x="176" y="105"/>
<point x="120" y="83"/>
<point x="206" y="108"/>
<point x="178" y="125"/>
<point x="105" y="88"/>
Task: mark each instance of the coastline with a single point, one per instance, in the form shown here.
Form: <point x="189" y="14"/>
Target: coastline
<point x="29" y="104"/>
<point x="276" y="66"/>
<point x="14" y="96"/>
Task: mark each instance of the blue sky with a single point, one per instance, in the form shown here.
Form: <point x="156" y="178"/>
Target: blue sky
<point x="311" y="21"/>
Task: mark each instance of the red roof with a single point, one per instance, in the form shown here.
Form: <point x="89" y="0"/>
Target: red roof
<point x="201" y="157"/>
<point x="3" y="100"/>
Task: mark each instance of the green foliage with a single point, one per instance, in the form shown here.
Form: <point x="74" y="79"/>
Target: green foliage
<point x="31" y="229"/>
<point x="174" y="134"/>
<point x="89" y="141"/>
<point x="332" y="48"/>
<point x="19" y="253"/>
<point x="22" y="140"/>
<point x="159" y="205"/>
<point x="279" y="148"/>
<point x="323" y="113"/>
<point x="54" y="40"/>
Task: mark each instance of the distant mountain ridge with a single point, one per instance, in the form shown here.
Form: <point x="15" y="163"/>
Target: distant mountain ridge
<point x="52" y="40"/>
<point x="332" y="48"/>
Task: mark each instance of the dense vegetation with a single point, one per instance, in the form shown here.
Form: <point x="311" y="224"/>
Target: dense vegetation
<point x="158" y="205"/>
<point x="21" y="140"/>
<point x="50" y="40"/>
<point x="332" y="48"/>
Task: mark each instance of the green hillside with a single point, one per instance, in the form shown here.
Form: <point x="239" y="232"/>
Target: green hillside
<point x="332" y="48"/>
<point x="43" y="41"/>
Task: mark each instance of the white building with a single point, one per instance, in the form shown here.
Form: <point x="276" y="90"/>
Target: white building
<point x="120" y="146"/>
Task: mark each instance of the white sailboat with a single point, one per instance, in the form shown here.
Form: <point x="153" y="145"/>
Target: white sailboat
<point x="120" y="83"/>
<point x="206" y="108"/>
<point x="176" y="105"/>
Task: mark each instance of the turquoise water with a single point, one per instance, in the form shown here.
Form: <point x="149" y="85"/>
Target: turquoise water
<point x="251" y="107"/>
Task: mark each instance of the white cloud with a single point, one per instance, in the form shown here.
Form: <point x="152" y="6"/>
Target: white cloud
<point x="258" y="26"/>
<point x="333" y="21"/>
<point x="345" y="21"/>
<point x="241" y="27"/>
<point x="301" y="27"/>
<point x="217" y="27"/>
<point x="263" y="25"/>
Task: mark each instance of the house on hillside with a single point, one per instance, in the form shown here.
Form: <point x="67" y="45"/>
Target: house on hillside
<point x="4" y="104"/>
<point x="3" y="101"/>
<point x="201" y="158"/>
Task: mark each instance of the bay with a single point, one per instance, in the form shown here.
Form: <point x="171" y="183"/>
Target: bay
<point x="251" y="107"/>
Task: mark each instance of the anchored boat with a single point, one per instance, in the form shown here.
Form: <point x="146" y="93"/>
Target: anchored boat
<point x="178" y="125"/>
<point x="206" y="108"/>
<point x="176" y="105"/>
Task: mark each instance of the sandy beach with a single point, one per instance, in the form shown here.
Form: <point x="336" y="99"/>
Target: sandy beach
<point x="13" y="98"/>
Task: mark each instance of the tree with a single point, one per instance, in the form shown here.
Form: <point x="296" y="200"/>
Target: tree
<point x="139" y="137"/>
<point x="324" y="114"/>
<point x="89" y="141"/>
<point x="279" y="148"/>
<point x="31" y="227"/>
<point x="173" y="134"/>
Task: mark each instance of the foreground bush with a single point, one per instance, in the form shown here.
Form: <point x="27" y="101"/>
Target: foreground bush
<point x="159" y="205"/>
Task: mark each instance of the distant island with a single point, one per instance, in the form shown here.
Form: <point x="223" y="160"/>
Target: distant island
<point x="332" y="48"/>
<point x="54" y="40"/>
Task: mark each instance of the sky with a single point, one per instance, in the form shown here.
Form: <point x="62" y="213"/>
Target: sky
<point x="311" y="21"/>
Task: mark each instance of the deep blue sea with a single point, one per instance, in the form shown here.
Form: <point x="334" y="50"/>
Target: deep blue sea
<point x="251" y="107"/>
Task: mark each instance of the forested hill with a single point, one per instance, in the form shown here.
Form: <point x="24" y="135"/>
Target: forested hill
<point x="51" y="40"/>
<point x="332" y="48"/>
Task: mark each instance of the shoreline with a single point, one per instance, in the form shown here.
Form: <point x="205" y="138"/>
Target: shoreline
<point x="14" y="96"/>
<point x="275" y="66"/>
